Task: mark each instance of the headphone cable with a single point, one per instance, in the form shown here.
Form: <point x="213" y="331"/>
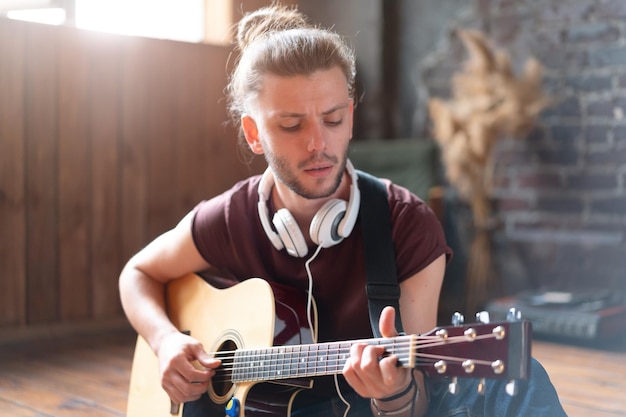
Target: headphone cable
<point x="309" y="301"/>
<point x="309" y="306"/>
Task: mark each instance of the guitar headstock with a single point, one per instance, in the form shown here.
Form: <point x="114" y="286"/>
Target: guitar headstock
<point x="498" y="350"/>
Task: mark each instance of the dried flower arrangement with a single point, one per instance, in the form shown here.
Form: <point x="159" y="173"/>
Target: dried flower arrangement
<point x="489" y="102"/>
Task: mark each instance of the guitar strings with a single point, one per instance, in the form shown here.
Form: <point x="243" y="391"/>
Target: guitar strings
<point x="224" y="372"/>
<point x="398" y="348"/>
<point x="331" y="347"/>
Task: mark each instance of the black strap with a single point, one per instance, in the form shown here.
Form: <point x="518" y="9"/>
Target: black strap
<point x="380" y="261"/>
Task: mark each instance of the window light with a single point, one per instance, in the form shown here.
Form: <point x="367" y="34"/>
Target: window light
<point x="50" y="16"/>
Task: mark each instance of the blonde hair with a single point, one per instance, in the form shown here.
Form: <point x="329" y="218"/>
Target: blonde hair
<point x="279" y="40"/>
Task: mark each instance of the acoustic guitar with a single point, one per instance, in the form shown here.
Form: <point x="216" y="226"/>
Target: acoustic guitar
<point x="261" y="333"/>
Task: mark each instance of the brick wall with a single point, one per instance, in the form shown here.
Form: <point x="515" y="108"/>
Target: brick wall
<point x="560" y="193"/>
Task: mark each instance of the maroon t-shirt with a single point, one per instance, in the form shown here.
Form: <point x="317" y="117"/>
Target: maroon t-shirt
<point x="229" y="235"/>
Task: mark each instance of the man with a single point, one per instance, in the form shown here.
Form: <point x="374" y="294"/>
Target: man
<point x="292" y="94"/>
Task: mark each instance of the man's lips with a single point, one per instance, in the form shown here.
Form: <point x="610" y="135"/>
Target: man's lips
<point x="319" y="171"/>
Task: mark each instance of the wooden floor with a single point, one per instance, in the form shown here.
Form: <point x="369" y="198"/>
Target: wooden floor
<point x="89" y="377"/>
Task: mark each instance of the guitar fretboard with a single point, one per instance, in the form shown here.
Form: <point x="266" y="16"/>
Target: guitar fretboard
<point x="300" y="361"/>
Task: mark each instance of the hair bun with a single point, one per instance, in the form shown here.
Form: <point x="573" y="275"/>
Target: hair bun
<point x="266" y="20"/>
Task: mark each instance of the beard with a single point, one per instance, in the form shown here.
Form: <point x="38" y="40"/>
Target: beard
<point x="280" y="167"/>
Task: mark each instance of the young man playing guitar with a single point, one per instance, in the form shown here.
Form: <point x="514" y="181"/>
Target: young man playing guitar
<point x="292" y="95"/>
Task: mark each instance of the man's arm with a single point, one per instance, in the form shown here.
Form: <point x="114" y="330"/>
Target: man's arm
<point x="142" y="291"/>
<point x="389" y="386"/>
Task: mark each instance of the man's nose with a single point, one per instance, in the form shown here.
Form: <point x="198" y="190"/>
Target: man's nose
<point x="316" y="139"/>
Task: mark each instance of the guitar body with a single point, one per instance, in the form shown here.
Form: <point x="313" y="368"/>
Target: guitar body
<point x="250" y="315"/>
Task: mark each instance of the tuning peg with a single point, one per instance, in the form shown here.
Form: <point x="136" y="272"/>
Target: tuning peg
<point x="511" y="388"/>
<point x="458" y="319"/>
<point x="481" y="386"/>
<point x="453" y="387"/>
<point x="513" y="315"/>
<point x="483" y="317"/>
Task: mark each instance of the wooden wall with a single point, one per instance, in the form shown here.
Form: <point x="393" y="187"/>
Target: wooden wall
<point x="105" y="142"/>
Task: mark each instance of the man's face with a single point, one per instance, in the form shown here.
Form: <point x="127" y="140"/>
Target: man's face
<point x="303" y="125"/>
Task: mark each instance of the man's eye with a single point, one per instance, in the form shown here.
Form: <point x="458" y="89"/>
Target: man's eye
<point x="290" y="128"/>
<point x="334" y="122"/>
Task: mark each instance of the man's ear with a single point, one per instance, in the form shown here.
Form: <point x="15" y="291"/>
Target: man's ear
<point x="251" y="133"/>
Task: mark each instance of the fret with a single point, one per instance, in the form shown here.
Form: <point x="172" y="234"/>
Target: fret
<point x="303" y="360"/>
<point x="237" y="367"/>
<point x="241" y="366"/>
<point x="268" y="358"/>
<point x="312" y="363"/>
<point x="252" y="372"/>
<point x="333" y="358"/>
<point x="257" y="364"/>
<point x="277" y="362"/>
<point x="262" y="361"/>
<point x="289" y="356"/>
<point x="344" y="349"/>
<point x="322" y="359"/>
<point x="289" y="371"/>
<point x="270" y="364"/>
<point x="284" y="363"/>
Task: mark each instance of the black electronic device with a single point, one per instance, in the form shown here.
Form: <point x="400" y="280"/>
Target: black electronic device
<point x="583" y="315"/>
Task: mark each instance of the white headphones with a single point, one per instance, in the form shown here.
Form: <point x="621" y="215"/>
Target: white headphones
<point x="332" y="223"/>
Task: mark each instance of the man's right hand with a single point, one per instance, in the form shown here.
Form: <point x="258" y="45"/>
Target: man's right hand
<point x="186" y="369"/>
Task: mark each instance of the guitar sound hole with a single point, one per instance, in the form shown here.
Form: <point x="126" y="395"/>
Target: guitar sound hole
<point x="222" y="381"/>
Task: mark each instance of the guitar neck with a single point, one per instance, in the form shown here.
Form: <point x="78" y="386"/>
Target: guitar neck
<point x="496" y="350"/>
<point x="286" y="362"/>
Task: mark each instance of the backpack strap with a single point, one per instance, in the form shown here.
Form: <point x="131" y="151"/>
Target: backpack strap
<point x="380" y="261"/>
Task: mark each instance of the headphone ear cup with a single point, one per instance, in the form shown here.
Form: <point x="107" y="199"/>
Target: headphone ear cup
<point x="289" y="233"/>
<point x="325" y="224"/>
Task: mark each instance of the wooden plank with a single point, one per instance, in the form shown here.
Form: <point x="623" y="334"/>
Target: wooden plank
<point x="75" y="376"/>
<point x="41" y="173"/>
<point x="161" y="148"/>
<point x="208" y="133"/>
<point x="231" y="158"/>
<point x="104" y="122"/>
<point x="134" y="140"/>
<point x="12" y="176"/>
<point x="74" y="175"/>
<point x="90" y="368"/>
<point x="51" y="394"/>
<point x="218" y="144"/>
<point x="202" y="128"/>
<point x="108" y="366"/>
<point x="189" y="105"/>
<point x="9" y="408"/>
<point x="589" y="382"/>
<point x="61" y="330"/>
